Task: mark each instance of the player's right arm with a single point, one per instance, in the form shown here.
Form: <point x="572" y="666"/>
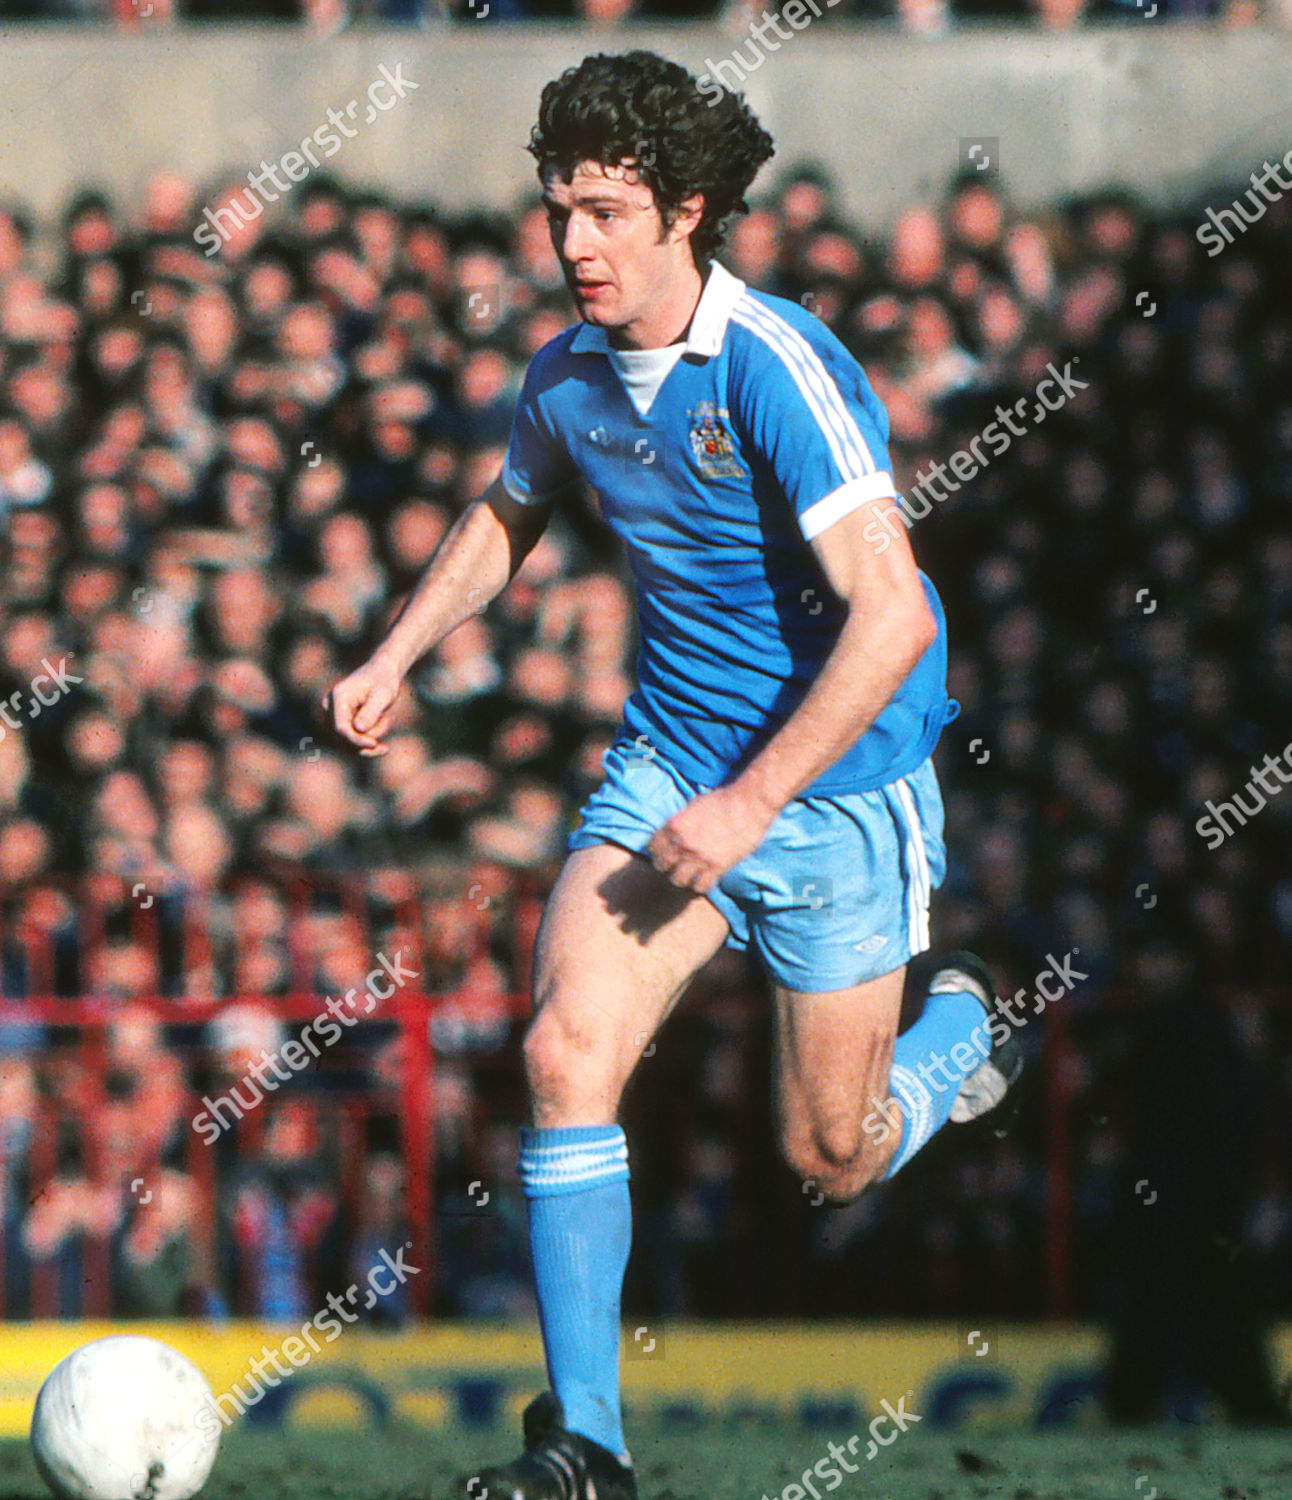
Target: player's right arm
<point x="475" y="561"/>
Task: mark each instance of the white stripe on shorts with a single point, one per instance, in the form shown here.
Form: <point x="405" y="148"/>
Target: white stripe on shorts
<point x="918" y="889"/>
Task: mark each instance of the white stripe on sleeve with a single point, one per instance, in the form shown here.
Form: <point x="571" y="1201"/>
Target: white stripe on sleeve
<point x="821" y="515"/>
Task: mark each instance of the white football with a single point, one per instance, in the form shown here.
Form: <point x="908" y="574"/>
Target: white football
<point x="125" y="1418"/>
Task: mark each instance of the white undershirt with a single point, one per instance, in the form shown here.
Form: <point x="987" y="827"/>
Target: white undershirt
<point x="643" y="371"/>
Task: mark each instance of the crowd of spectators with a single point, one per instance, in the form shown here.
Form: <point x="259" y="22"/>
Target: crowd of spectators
<point x="218" y="478"/>
<point x="921" y="17"/>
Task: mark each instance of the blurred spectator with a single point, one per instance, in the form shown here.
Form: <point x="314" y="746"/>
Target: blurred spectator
<point x="329" y="16"/>
<point x="282" y="1216"/>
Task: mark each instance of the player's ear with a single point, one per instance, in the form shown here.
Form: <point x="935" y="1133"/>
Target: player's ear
<point x="689" y="213"/>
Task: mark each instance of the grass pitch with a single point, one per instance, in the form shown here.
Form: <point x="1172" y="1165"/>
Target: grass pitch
<point x="748" y="1462"/>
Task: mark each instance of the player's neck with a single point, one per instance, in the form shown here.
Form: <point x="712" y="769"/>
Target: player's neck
<point x="667" y="321"/>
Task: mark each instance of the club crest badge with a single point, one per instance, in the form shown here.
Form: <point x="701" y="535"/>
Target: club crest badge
<point x="712" y="444"/>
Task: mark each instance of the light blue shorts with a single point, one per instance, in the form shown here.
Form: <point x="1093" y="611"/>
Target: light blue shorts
<point x="836" y="894"/>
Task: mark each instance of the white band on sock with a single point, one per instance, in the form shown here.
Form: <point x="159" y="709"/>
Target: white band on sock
<point x="568" y="1161"/>
<point x="917" y="1115"/>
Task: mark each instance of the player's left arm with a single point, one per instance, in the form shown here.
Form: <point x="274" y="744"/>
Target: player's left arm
<point x="802" y="403"/>
<point x="888" y="627"/>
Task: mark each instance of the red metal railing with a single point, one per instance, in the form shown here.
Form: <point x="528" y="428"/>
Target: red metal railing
<point x="40" y="918"/>
<point x="37" y="918"/>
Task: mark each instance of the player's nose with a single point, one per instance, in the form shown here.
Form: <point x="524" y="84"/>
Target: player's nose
<point x="573" y="242"/>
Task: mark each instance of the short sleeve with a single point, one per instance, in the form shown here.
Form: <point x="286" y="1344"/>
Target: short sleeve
<point x="537" y="466"/>
<point x="807" y="408"/>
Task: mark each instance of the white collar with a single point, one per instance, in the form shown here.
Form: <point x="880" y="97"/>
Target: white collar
<point x="709" y="322"/>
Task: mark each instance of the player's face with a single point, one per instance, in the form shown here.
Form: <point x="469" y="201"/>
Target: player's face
<point x="626" y="272"/>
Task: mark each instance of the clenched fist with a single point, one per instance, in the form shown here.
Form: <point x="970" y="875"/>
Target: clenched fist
<point x="361" y="704"/>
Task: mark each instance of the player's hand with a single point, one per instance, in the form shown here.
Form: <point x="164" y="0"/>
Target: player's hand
<point x="361" y="704"/>
<point x="714" y="831"/>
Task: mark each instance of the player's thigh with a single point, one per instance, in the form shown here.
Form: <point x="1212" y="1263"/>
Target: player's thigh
<point x="617" y="945"/>
<point x="833" y="1053"/>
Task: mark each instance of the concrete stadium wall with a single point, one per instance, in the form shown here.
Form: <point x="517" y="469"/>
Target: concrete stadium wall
<point x="1173" y="112"/>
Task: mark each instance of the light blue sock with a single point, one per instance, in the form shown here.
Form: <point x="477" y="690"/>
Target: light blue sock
<point x="925" y="1078"/>
<point x="580" y="1228"/>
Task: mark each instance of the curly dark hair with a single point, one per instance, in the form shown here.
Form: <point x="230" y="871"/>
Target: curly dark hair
<point x="639" y="108"/>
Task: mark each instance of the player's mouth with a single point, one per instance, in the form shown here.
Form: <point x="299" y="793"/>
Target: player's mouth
<point x="588" y="290"/>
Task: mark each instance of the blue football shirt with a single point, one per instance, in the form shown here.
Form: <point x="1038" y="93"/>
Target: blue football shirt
<point x="717" y="462"/>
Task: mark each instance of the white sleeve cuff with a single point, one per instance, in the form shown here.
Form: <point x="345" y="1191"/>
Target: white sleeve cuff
<point x="825" y="512"/>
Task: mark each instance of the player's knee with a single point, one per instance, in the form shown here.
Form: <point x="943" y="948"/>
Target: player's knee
<point x="563" y="1068"/>
<point x="837" y="1159"/>
<point x="550" y="1054"/>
